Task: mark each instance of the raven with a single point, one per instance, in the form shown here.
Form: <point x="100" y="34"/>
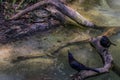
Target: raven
<point x="78" y="66"/>
<point x="105" y="42"/>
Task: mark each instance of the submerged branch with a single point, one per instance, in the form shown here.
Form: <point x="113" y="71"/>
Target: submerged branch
<point x="111" y="31"/>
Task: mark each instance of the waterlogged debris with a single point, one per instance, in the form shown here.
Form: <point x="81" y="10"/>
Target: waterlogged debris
<point x="60" y="67"/>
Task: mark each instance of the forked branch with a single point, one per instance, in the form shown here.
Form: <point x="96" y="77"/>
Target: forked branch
<point x="107" y="60"/>
<point x="66" y="10"/>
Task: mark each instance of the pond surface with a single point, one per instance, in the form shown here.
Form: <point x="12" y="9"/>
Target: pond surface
<point x="105" y="13"/>
<point x="47" y="66"/>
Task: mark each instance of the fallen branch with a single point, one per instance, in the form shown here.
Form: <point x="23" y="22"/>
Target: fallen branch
<point x="74" y="15"/>
<point x="108" y="33"/>
<point x="106" y="56"/>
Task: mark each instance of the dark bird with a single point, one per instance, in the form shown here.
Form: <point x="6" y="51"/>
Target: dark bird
<point x="76" y="65"/>
<point x="105" y="42"/>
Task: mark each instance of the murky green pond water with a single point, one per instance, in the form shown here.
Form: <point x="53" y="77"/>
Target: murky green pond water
<point x="47" y="67"/>
<point x="104" y="13"/>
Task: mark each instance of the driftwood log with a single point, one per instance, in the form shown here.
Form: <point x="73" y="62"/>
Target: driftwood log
<point x="11" y="33"/>
<point x="8" y="31"/>
<point x="60" y="6"/>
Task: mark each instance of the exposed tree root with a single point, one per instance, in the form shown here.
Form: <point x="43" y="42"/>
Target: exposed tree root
<point x="66" y="10"/>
